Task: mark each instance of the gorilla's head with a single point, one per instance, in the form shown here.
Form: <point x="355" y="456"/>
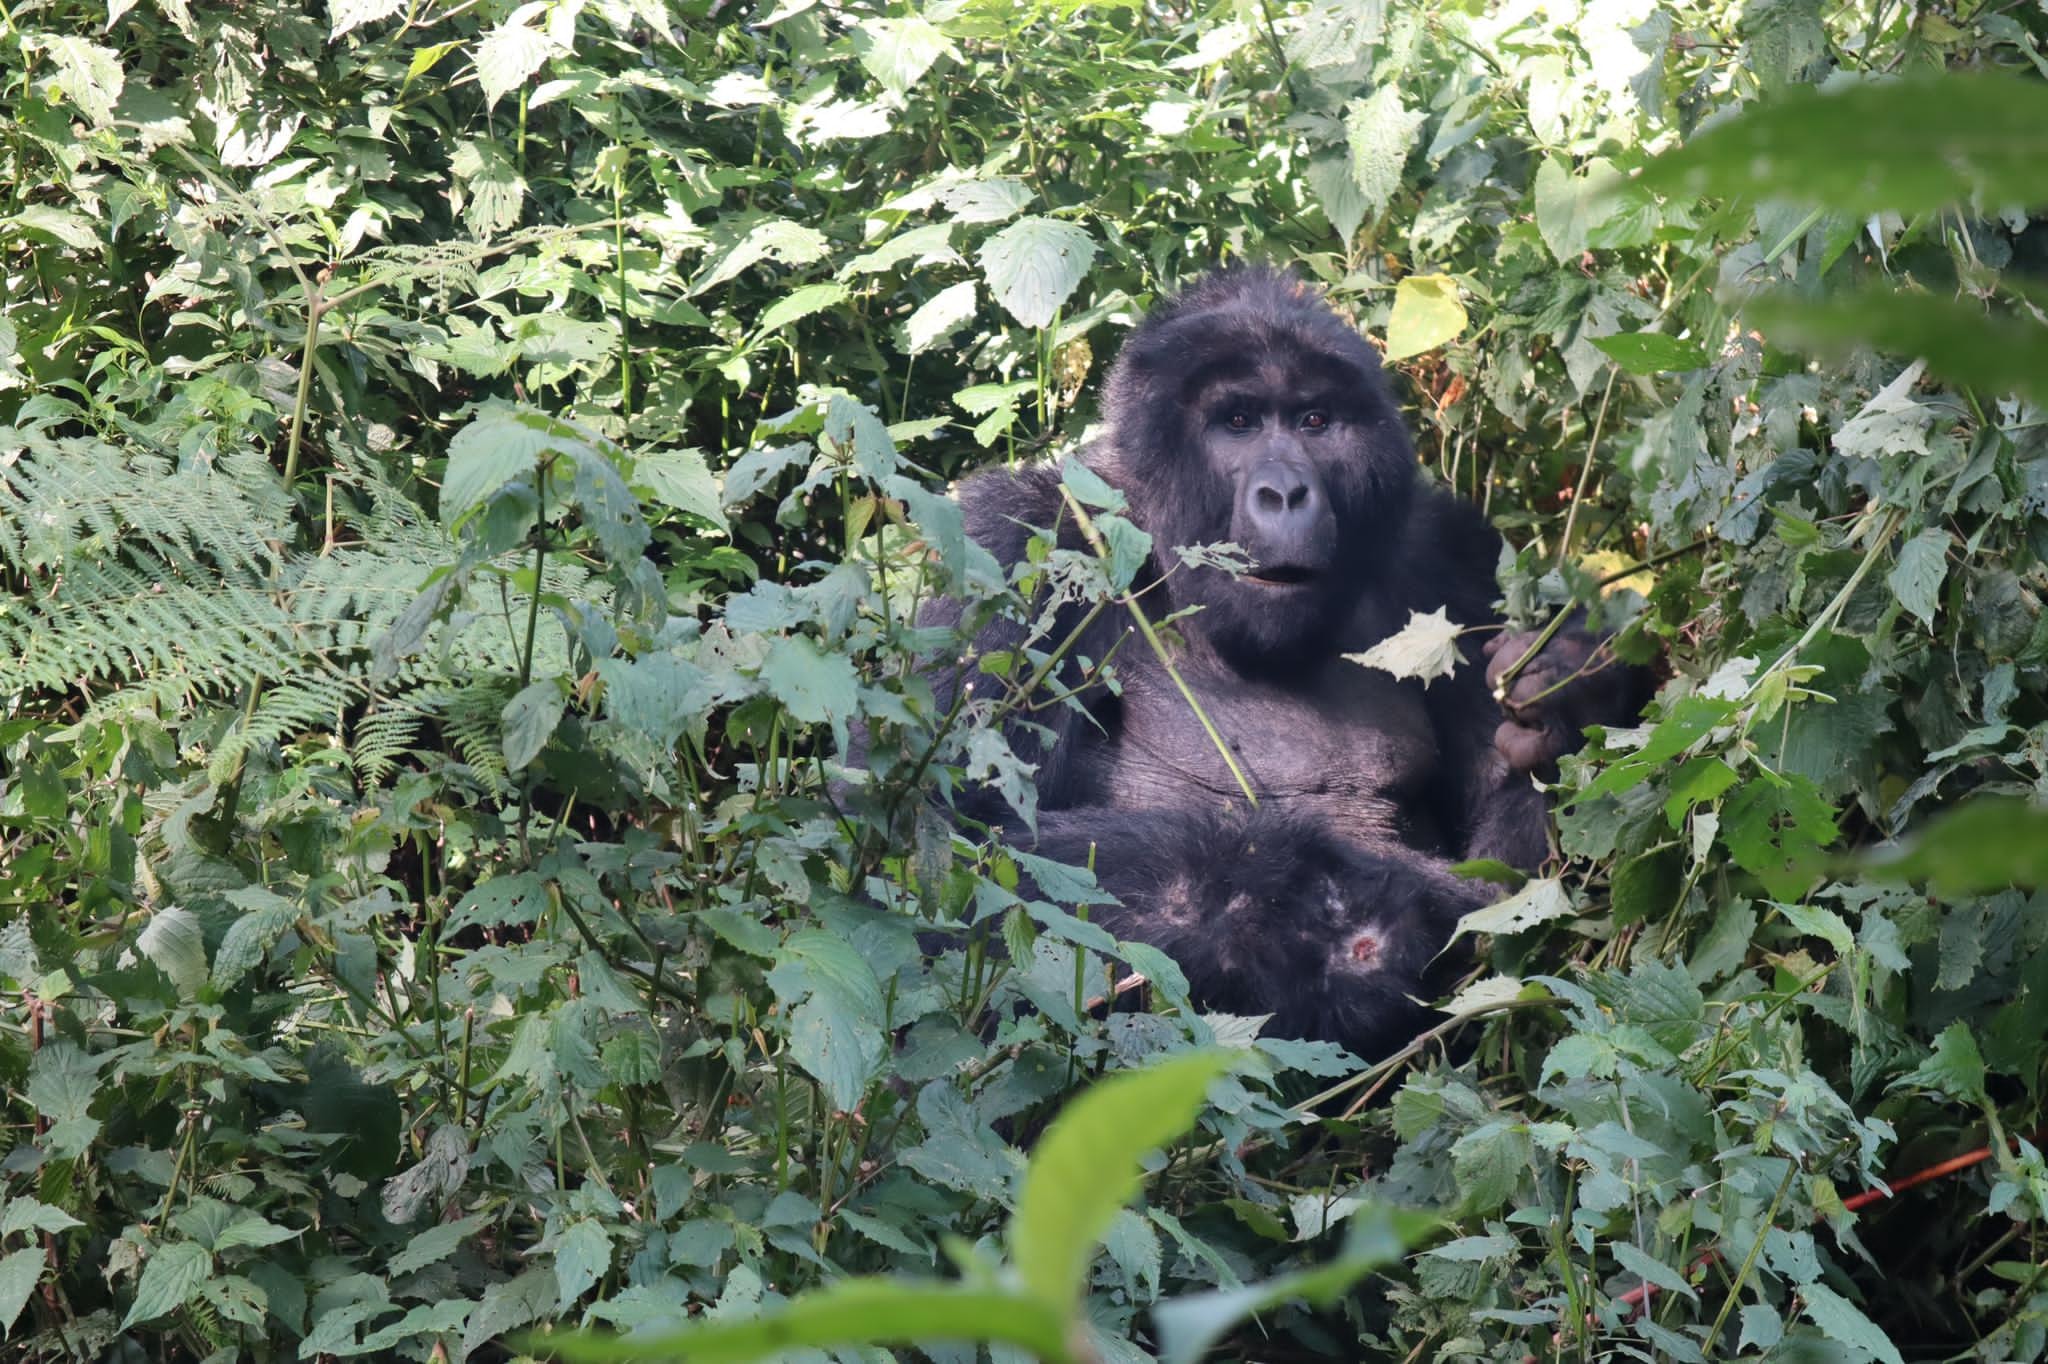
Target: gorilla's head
<point x="1245" y="410"/>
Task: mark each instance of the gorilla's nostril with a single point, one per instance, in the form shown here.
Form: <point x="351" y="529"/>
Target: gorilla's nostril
<point x="1297" y="497"/>
<point x="1269" y="499"/>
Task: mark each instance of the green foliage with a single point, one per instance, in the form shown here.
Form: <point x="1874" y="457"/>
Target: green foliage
<point x="469" y="472"/>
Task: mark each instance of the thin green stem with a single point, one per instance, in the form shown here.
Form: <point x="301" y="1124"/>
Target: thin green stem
<point x="1159" y="650"/>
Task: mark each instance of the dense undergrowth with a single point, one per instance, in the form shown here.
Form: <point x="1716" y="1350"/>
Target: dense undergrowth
<point x="467" y="469"/>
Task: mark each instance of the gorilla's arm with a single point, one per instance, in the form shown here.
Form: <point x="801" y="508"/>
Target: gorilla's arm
<point x="1489" y="808"/>
<point x="1003" y="509"/>
<point x="1491" y="754"/>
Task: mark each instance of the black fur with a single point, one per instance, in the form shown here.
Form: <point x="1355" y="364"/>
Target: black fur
<point x="1246" y="409"/>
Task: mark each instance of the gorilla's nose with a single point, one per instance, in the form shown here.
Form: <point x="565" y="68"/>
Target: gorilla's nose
<point x="1282" y="503"/>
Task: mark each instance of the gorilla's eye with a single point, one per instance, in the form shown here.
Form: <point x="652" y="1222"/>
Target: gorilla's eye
<point x="1315" y="421"/>
<point x="1241" y="421"/>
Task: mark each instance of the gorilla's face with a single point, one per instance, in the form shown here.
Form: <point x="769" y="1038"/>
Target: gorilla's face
<point x="1246" y="411"/>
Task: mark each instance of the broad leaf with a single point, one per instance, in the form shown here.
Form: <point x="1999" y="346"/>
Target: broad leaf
<point x="1033" y="266"/>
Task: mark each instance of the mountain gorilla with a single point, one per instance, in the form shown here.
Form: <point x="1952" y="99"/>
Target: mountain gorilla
<point x="1245" y="410"/>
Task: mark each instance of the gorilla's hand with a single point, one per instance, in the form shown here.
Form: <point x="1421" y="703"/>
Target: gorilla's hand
<point x="1573" y="682"/>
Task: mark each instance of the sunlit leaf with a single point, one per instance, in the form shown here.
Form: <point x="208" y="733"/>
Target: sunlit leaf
<point x="1426" y="314"/>
<point x="1033" y="266"/>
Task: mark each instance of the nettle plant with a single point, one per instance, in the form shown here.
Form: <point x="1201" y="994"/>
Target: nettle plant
<point x="467" y="481"/>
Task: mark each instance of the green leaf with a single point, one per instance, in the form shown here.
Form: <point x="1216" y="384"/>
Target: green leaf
<point x="1960" y="341"/>
<point x="508" y="57"/>
<point x="633" y="1057"/>
<point x="851" y="1312"/>
<point x="897" y="52"/>
<point x="509" y="1305"/>
<point x="680" y="479"/>
<point x="1844" y="1323"/>
<point x="266" y="917"/>
<point x="1540" y="901"/>
<point x="583" y="1254"/>
<point x="169" y="1279"/>
<point x="1985" y="844"/>
<point x="175" y="942"/>
<point x="1426" y="314"/>
<point x="88" y="75"/>
<point x="514" y="898"/>
<point x="1955" y="1067"/>
<point x="529" y="719"/>
<point x="18" y="1275"/>
<point x="1377" y="1237"/>
<point x="1912" y="146"/>
<point x="1652" y="352"/>
<point x="1033" y="266"/>
<point x="1380" y="132"/>
<point x="814" y="685"/>
<point x="62" y="1081"/>
<point x="74" y="230"/>
<point x="1650" y="1269"/>
<point x="811" y="298"/>
<point x="1085" y="1167"/>
<point x="939" y="317"/>
<point x="1425" y="648"/>
<point x="487" y="454"/>
<point x="1917" y="576"/>
<point x="343" y="15"/>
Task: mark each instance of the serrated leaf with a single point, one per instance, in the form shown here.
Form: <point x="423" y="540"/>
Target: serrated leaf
<point x="1034" y="265"/>
<point x="169" y="1279"/>
<point x="633" y="1057"/>
<point x="434" y="1244"/>
<point x="529" y="718"/>
<point x="992" y="200"/>
<point x="1652" y="352"/>
<point x="1489" y="1164"/>
<point x="813" y="685"/>
<point x="62" y="1080"/>
<point x="75" y="230"/>
<point x="516" y="898"/>
<point x="1650" y="1269"/>
<point x="897" y="52"/>
<point x="1380" y="132"/>
<point x="438" y="1174"/>
<point x="1085" y="1167"/>
<point x="508" y="57"/>
<point x="1426" y="314"/>
<point x="680" y="479"/>
<point x="266" y="917"/>
<point x="1844" y="1323"/>
<point x="794" y="307"/>
<point x="175" y="943"/>
<point x="939" y="316"/>
<point x="1539" y="902"/>
<point x="583" y="1254"/>
<point x="1917" y="576"/>
<point x="487" y="454"/>
<point x="1955" y="1067"/>
<point x="1425" y="648"/>
<point x="343" y="15"/>
<point x="88" y="75"/>
<point x="18" y="1275"/>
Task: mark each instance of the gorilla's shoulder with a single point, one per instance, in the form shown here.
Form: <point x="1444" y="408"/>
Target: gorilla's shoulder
<point x="1002" y="508"/>
<point x="1449" y="555"/>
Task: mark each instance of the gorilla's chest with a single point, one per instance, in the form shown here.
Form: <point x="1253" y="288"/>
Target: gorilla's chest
<point x="1351" y="746"/>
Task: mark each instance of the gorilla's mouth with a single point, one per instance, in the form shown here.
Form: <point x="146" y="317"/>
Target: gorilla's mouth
<point x="1280" y="575"/>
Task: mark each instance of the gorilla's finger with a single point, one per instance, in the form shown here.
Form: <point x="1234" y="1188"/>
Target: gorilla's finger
<point x="1525" y="749"/>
